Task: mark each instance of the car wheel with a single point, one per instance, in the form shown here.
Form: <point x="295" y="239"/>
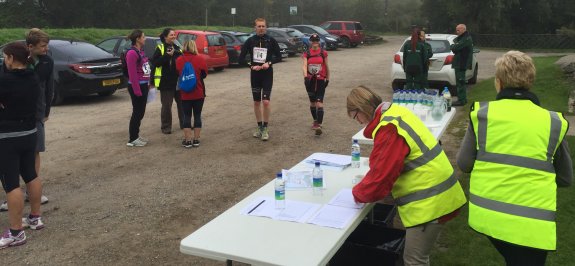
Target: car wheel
<point x="107" y="93"/>
<point x="57" y="99"/>
<point x="345" y="42"/>
<point x="218" y="69"/>
<point x="473" y="80"/>
<point x="353" y="45"/>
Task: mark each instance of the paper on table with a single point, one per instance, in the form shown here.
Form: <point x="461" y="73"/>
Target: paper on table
<point x="344" y="198"/>
<point x="294" y="211"/>
<point x="334" y="216"/>
<point x="330" y="159"/>
<point x="297" y="179"/>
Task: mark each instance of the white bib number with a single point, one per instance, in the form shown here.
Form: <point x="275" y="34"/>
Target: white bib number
<point x="146" y="68"/>
<point x="260" y="54"/>
<point x="314" y="68"/>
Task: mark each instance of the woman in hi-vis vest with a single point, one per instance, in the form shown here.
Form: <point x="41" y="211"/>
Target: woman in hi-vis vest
<point x="517" y="156"/>
<point x="408" y="162"/>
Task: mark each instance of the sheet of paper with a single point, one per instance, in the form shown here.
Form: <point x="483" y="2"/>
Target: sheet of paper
<point x="344" y="198"/>
<point x="297" y="179"/>
<point x="294" y="211"/>
<point x="334" y="216"/>
<point x="336" y="160"/>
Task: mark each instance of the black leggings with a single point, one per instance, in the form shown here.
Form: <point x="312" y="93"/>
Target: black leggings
<point x="515" y="255"/>
<point x="17" y="158"/>
<point x="138" y="110"/>
<point x="195" y="107"/>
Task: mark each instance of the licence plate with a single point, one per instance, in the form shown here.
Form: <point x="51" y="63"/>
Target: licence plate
<point x="110" y="82"/>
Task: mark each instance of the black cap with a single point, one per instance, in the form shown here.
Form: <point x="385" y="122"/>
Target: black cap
<point x="314" y="38"/>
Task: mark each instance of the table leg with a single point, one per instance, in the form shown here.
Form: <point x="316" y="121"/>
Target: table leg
<point x="229" y="262"/>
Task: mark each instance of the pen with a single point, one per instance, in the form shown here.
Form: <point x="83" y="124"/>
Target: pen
<point x="256" y="206"/>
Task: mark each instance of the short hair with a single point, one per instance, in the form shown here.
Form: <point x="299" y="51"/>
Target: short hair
<point x="515" y="70"/>
<point x="364" y="100"/>
<point x="259" y="20"/>
<point x="18" y="51"/>
<point x="190" y="46"/>
<point x="34" y="36"/>
<point x="462" y="26"/>
<point x="134" y="35"/>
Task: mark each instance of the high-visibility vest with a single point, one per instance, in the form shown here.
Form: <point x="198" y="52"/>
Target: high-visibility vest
<point x="513" y="191"/>
<point x="158" y="71"/>
<point x="427" y="187"/>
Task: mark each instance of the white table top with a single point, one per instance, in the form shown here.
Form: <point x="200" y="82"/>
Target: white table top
<point x="264" y="241"/>
<point x="436" y="128"/>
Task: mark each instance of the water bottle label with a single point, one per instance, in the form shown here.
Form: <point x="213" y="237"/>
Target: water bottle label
<point x="318" y="182"/>
<point x="280" y="195"/>
<point x="355" y="156"/>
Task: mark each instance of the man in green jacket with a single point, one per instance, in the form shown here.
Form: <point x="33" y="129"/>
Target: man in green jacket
<point x="463" y="50"/>
<point x="425" y="82"/>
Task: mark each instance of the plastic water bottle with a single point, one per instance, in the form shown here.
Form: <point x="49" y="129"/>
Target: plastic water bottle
<point x="317" y="175"/>
<point x="395" y="96"/>
<point x="355" y="154"/>
<point x="280" y="191"/>
<point x="447" y="97"/>
<point x="410" y="100"/>
<point x="401" y="98"/>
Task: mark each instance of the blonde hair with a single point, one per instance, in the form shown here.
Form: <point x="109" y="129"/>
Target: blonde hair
<point x="35" y="36"/>
<point x="259" y="20"/>
<point x="515" y="70"/>
<point x="363" y="100"/>
<point x="190" y="46"/>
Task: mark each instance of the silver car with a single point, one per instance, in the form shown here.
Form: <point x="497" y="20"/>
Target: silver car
<point x="440" y="71"/>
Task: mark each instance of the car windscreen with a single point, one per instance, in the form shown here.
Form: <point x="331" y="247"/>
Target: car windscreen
<point x="319" y="30"/>
<point x="79" y="50"/>
<point x="215" y="40"/>
<point x="294" y="33"/>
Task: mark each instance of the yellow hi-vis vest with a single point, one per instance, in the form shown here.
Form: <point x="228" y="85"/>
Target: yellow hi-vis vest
<point x="427" y="187"/>
<point x="158" y="71"/>
<point x="512" y="194"/>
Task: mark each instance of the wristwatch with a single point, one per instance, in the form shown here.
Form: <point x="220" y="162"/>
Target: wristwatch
<point x="269" y="63"/>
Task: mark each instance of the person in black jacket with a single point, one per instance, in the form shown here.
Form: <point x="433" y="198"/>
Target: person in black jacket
<point x="166" y="78"/>
<point x="264" y="51"/>
<point x="19" y="91"/>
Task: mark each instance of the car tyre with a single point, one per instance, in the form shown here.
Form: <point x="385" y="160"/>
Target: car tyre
<point x="107" y="93"/>
<point x="353" y="45"/>
<point x="218" y="69"/>
<point x="345" y="42"/>
<point x="57" y="99"/>
<point x="473" y="79"/>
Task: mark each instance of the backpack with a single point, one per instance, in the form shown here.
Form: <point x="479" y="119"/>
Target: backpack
<point x="187" y="81"/>
<point x="308" y="53"/>
<point x="125" y="64"/>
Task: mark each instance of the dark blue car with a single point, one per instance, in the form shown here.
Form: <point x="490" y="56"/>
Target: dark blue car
<point x="331" y="41"/>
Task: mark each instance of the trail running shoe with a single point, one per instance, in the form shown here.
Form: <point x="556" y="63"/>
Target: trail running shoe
<point x="318" y="130"/>
<point x="196" y="143"/>
<point x="136" y="143"/>
<point x="187" y="143"/>
<point x="315" y="125"/>
<point x="265" y="134"/>
<point x="4" y="206"/>
<point x="8" y="240"/>
<point x="43" y="199"/>
<point x="258" y="133"/>
<point x="32" y="223"/>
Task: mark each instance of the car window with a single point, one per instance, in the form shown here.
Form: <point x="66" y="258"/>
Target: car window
<point x="215" y="40"/>
<point x="439" y="46"/>
<point x="306" y="30"/>
<point x="358" y="26"/>
<point x="334" y="26"/>
<point x="319" y="30"/>
<point x="79" y="50"/>
<point x="108" y="45"/>
<point x="228" y="39"/>
<point x="293" y="33"/>
<point x="349" y="26"/>
<point x="243" y="38"/>
<point x="274" y="34"/>
<point x="184" y="37"/>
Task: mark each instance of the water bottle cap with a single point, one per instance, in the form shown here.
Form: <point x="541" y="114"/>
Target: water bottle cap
<point x="317" y="163"/>
<point x="279" y="174"/>
<point x="355" y="141"/>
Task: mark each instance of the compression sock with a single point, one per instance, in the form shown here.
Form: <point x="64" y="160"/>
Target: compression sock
<point x="320" y="115"/>
<point x="313" y="112"/>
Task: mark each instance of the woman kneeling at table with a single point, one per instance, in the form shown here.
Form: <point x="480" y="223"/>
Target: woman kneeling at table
<point x="407" y="161"/>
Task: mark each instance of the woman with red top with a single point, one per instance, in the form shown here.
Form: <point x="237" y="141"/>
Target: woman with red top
<point x="193" y="102"/>
<point x="408" y="162"/>
<point x="316" y="77"/>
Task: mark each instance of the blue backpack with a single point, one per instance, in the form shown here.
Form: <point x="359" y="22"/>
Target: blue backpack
<point x="187" y="81"/>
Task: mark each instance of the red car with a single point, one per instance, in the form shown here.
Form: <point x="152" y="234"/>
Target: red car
<point x="350" y="32"/>
<point x="211" y="45"/>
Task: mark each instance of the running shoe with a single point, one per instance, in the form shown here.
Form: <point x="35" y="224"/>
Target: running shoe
<point x="265" y="134"/>
<point x="32" y="223"/>
<point x="8" y="240"/>
<point x="187" y="143"/>
<point x="43" y="199"/>
<point x="318" y="130"/>
<point x="196" y="143"/>
<point x="315" y="125"/>
<point x="258" y="133"/>
<point x="137" y="143"/>
<point x="4" y="206"/>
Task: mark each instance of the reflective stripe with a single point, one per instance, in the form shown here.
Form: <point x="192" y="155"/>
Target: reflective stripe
<point x="427" y="156"/>
<point x="423" y="159"/>
<point x="427" y="193"/>
<point x="520" y="161"/>
<point x="512" y="209"/>
<point x="555" y="134"/>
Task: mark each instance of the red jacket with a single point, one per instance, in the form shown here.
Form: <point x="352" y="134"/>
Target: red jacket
<point x="201" y="68"/>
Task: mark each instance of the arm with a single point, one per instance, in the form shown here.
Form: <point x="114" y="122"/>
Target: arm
<point x="563" y="165"/>
<point x="386" y="164"/>
<point x="467" y="152"/>
<point x="326" y="67"/>
<point x="132" y="64"/>
<point x="246" y="48"/>
<point x="462" y="44"/>
<point x="276" y="51"/>
<point x="304" y="66"/>
<point x="160" y="60"/>
<point x="49" y="89"/>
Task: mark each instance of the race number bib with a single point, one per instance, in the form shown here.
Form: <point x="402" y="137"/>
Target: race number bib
<point x="146" y="69"/>
<point x="260" y="54"/>
<point x="314" y="68"/>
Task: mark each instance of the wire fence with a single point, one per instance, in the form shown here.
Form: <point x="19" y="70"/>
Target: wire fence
<point x="525" y="41"/>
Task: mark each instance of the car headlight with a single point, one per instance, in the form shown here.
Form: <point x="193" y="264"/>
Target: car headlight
<point x="330" y="39"/>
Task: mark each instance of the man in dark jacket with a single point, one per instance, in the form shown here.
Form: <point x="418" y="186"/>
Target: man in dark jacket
<point x="463" y="50"/>
<point x="429" y="50"/>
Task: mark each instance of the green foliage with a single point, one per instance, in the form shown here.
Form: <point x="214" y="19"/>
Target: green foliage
<point x="458" y="243"/>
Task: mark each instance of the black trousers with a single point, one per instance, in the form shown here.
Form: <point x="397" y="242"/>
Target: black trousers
<point x="138" y="110"/>
<point x="516" y="255"/>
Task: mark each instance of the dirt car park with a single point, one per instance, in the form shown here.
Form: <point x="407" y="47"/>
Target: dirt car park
<point x="112" y="204"/>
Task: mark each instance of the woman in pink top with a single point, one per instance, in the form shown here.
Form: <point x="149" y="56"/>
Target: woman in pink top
<point x="192" y="102"/>
<point x="138" y="81"/>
